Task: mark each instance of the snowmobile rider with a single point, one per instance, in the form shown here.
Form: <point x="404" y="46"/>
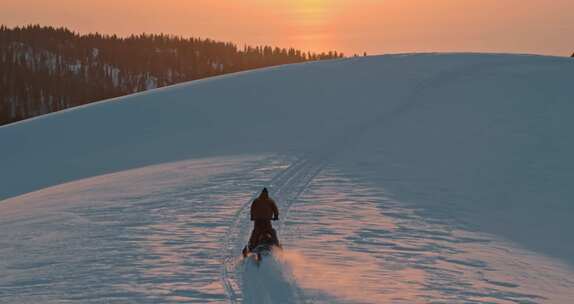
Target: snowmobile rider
<point x="263" y="210"/>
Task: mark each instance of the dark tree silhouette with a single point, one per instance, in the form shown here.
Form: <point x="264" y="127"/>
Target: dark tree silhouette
<point x="47" y="69"/>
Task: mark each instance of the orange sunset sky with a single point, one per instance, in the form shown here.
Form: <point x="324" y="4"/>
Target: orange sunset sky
<point x="374" y="26"/>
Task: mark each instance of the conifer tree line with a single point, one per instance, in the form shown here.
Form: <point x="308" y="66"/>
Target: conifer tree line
<point x="45" y="69"/>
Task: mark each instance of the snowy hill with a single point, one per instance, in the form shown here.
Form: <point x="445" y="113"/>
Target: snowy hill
<point x="413" y="178"/>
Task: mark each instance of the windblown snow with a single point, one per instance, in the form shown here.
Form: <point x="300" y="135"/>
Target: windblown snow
<point x="442" y="178"/>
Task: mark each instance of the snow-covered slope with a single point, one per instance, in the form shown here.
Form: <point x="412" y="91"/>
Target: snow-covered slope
<point x="425" y="177"/>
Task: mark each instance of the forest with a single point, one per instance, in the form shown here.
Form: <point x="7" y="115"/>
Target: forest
<point x="45" y="69"/>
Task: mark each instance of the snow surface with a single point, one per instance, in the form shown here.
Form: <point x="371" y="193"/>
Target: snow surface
<point x="400" y="178"/>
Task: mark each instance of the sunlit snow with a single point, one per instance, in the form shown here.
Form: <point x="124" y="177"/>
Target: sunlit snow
<point x="440" y="178"/>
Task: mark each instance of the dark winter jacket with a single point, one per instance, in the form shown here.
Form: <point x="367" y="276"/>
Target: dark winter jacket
<point x="264" y="208"/>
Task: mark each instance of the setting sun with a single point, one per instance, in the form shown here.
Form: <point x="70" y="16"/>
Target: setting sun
<point x="349" y="26"/>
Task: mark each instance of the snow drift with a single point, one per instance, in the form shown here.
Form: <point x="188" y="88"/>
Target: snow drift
<point x="480" y="141"/>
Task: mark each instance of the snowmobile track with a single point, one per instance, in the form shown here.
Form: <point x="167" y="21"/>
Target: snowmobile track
<point x="286" y="187"/>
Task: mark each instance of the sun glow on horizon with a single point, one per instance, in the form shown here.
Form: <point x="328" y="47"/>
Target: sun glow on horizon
<point x="312" y="19"/>
<point x="390" y="26"/>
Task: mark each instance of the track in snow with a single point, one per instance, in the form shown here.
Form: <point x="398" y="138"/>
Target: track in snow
<point x="286" y="187"/>
<point x="155" y="234"/>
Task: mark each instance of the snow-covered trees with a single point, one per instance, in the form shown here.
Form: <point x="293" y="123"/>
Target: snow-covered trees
<point x="46" y="69"/>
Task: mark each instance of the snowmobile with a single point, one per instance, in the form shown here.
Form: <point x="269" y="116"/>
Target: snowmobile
<point x="263" y="247"/>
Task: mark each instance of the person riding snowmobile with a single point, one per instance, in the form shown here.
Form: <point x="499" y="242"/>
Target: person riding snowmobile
<point x="263" y="210"/>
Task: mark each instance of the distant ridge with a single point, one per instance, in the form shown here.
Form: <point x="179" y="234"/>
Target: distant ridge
<point x="45" y="69"/>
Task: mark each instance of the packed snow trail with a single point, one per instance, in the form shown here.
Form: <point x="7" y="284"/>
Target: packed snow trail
<point x="286" y="188"/>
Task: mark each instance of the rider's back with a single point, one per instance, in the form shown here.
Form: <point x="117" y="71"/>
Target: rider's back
<point x="263" y="208"/>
